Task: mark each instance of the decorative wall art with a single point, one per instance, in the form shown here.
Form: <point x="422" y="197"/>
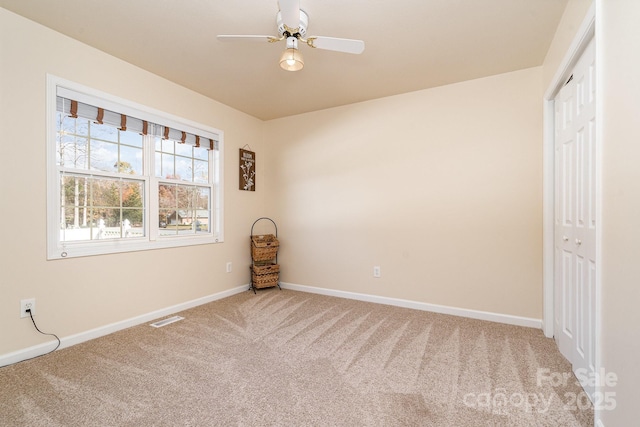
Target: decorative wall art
<point x="247" y="170"/>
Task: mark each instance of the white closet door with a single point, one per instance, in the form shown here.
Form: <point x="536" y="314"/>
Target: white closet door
<point x="564" y="309"/>
<point x="575" y="220"/>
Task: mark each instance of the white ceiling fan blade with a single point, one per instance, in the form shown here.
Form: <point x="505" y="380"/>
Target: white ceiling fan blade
<point x="290" y="10"/>
<point x="233" y="38"/>
<point x="336" y="44"/>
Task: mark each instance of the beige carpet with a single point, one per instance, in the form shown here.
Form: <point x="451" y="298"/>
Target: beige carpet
<point x="289" y="358"/>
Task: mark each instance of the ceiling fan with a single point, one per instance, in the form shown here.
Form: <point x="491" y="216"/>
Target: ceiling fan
<point x="292" y="25"/>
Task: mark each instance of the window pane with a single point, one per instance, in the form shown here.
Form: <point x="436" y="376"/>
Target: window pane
<point x="69" y="232"/>
<point x="133" y="194"/>
<point x="203" y="214"/>
<point x="158" y="164"/>
<point x="103" y="156"/>
<point x="184" y="209"/>
<point x="201" y="153"/>
<point x="184" y="196"/>
<point x="71" y="151"/>
<point x="201" y="171"/>
<point x="130" y="160"/>
<point x="97" y="208"/>
<point x="163" y="218"/>
<point x="105" y="132"/>
<point x="107" y="223"/>
<point x="182" y="165"/>
<point x="74" y="190"/>
<point x="67" y="125"/>
<point x="167" y="146"/>
<point x="184" y="149"/>
<point x="82" y="126"/>
<point x="184" y="171"/>
<point x="168" y="222"/>
<point x="131" y="138"/>
<point x="105" y="193"/>
<point x="96" y="225"/>
<point x="133" y="223"/>
<point x="101" y="150"/>
<point x="167" y="169"/>
<point x="203" y="196"/>
<point x="133" y="209"/>
<point x="167" y="196"/>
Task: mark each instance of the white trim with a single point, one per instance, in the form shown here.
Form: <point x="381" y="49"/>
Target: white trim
<point x="37" y="350"/>
<point x="548" y="217"/>
<point x="53" y="188"/>
<point x="599" y="229"/>
<point x="217" y="213"/>
<point x="423" y="306"/>
<point x="583" y="36"/>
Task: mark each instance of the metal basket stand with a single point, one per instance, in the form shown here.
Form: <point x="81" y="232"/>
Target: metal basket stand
<point x="265" y="270"/>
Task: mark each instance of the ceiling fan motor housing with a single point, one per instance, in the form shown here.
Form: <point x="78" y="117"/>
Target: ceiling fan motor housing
<point x="300" y="32"/>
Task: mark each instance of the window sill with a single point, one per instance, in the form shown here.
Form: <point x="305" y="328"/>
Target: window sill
<point x="76" y="250"/>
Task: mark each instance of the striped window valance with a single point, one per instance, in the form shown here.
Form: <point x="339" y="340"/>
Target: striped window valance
<point x="125" y="121"/>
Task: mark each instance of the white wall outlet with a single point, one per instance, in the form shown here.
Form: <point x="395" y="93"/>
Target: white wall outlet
<point x="376" y="271"/>
<point x="27" y="304"/>
<point x="229" y="267"/>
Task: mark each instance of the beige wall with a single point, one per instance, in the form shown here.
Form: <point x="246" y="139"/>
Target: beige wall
<point x="619" y="67"/>
<point x="442" y="188"/>
<point x="76" y="295"/>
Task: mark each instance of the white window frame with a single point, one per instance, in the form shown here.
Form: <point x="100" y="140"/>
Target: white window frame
<point x="57" y="249"/>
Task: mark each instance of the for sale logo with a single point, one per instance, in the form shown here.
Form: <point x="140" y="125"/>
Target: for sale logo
<point x="601" y="400"/>
<point x="500" y="401"/>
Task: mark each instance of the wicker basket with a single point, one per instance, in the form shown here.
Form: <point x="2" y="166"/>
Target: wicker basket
<point x="264" y="247"/>
<point x="265" y="276"/>
<point x="266" y="268"/>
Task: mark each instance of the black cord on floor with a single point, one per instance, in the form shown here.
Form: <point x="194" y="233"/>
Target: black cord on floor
<point x="43" y="333"/>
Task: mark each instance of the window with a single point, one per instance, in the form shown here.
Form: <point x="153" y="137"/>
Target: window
<point x="122" y="177"/>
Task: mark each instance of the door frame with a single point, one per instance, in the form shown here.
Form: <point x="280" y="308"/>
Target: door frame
<point x="585" y="34"/>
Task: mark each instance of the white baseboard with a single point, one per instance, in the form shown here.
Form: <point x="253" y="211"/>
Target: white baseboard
<point x="435" y="308"/>
<point x="37" y="350"/>
<point x="34" y="351"/>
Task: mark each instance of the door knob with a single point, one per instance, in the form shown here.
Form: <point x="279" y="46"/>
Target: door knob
<point x="565" y="238"/>
<point x="578" y="242"/>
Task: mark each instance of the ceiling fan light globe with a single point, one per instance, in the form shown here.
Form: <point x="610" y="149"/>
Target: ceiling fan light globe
<point x="291" y="60"/>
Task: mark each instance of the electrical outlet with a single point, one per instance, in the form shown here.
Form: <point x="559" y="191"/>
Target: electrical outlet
<point x="27" y="304"/>
<point x="376" y="271"/>
<point x="229" y="266"/>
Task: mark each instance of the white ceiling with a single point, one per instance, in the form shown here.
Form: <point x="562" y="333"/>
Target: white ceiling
<point x="410" y="44"/>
